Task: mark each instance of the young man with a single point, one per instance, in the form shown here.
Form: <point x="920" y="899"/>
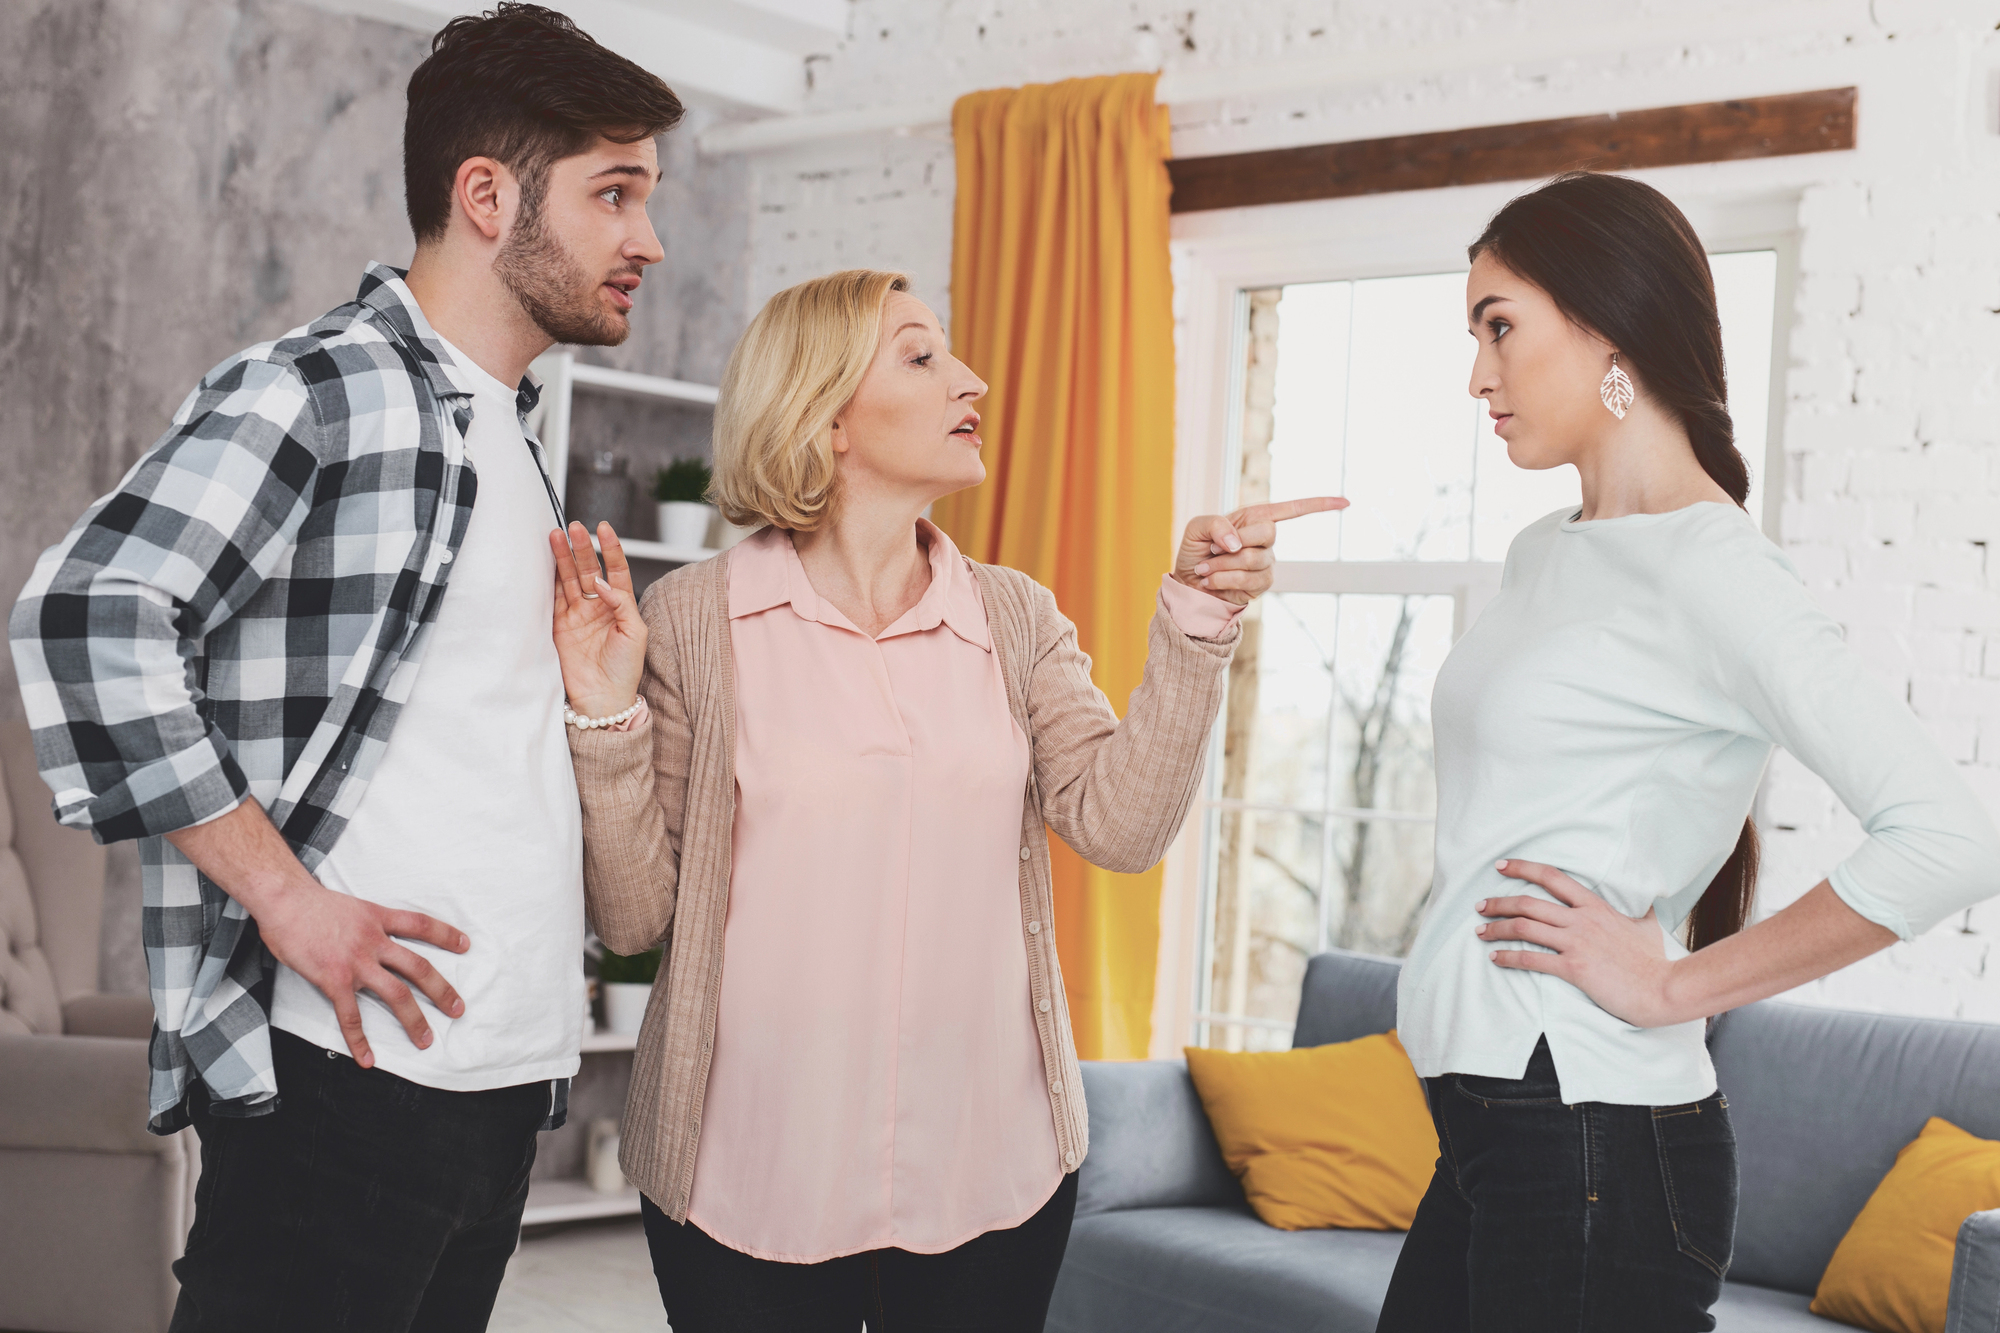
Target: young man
<point x="303" y="653"/>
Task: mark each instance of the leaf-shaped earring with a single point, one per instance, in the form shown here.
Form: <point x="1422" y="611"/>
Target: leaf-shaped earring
<point x="1616" y="390"/>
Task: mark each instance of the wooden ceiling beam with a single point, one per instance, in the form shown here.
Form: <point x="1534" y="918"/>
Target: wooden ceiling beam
<point x="1668" y="136"/>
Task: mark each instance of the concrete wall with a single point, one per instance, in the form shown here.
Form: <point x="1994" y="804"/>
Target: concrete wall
<point x="1891" y="488"/>
<point x="182" y="178"/>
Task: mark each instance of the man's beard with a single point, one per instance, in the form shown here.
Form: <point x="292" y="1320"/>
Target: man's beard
<point x="553" y="288"/>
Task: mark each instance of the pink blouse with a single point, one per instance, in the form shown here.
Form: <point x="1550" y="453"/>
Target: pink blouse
<point x="877" y="858"/>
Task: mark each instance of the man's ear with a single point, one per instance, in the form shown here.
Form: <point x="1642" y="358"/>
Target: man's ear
<point x="482" y="190"/>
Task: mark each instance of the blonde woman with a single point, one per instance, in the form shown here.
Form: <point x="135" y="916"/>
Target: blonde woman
<point x="817" y="771"/>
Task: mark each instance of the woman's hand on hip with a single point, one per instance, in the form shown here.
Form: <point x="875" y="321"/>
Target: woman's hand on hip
<point x="1619" y="961"/>
<point x="599" y="633"/>
<point x="1229" y="555"/>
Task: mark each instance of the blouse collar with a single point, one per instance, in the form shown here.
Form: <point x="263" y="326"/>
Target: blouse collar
<point x="765" y="572"/>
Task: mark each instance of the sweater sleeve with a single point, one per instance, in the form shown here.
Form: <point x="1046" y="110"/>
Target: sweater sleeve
<point x="1931" y="848"/>
<point x="1117" y="791"/>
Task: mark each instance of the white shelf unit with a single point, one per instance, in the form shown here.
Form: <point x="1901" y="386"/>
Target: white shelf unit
<point x="610" y="1041"/>
<point x="562" y="375"/>
<point x="567" y="1199"/>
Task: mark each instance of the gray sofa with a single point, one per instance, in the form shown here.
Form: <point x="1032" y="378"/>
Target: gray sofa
<point x="1822" y="1100"/>
<point x="93" y="1209"/>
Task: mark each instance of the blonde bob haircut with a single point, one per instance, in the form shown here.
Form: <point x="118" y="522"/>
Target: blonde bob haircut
<point x="798" y="364"/>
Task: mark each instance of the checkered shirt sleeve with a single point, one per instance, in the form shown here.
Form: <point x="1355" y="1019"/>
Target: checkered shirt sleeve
<point x="104" y="633"/>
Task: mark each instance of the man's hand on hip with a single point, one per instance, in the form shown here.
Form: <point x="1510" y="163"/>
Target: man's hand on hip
<point x="340" y="944"/>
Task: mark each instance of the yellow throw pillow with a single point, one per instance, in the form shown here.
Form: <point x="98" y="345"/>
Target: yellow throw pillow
<point x="1322" y="1136"/>
<point x="1892" y="1272"/>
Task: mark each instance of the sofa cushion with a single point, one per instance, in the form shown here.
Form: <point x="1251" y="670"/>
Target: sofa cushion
<point x="28" y="1000"/>
<point x="1214" y="1270"/>
<point x="1822" y="1101"/>
<point x="1322" y="1136"/>
<point x="1151" y="1146"/>
<point x="1747" y="1309"/>
<point x="1893" y="1268"/>
<point x="1346" y="995"/>
<point x="64" y="866"/>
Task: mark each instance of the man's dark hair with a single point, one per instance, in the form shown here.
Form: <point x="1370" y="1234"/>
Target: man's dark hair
<point x="527" y="88"/>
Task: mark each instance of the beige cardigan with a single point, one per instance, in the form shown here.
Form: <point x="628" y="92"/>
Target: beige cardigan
<point x="659" y="808"/>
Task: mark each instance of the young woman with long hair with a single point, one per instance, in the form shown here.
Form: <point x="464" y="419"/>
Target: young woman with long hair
<point x="1601" y="731"/>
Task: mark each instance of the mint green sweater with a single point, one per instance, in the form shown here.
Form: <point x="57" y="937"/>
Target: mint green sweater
<point x="1611" y="713"/>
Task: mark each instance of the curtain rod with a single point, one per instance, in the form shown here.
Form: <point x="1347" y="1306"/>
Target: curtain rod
<point x="1361" y="67"/>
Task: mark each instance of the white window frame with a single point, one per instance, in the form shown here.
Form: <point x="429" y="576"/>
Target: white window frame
<point x="1219" y="258"/>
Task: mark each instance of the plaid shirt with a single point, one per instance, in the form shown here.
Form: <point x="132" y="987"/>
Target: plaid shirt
<point x="243" y="617"/>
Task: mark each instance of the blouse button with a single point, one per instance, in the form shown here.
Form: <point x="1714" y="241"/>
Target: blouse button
<point x="1042" y="1005"/>
<point x="1034" y="927"/>
<point x="444" y="556"/>
<point x="1025" y="853"/>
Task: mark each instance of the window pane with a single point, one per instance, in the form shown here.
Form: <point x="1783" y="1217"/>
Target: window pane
<point x="1266" y="919"/>
<point x="1746" y="293"/>
<point x="1329" y="709"/>
<point x="1308" y="441"/>
<point x="1381" y="881"/>
<point x="1410" y="424"/>
<point x="1371" y="403"/>
<point x="1385" y="654"/>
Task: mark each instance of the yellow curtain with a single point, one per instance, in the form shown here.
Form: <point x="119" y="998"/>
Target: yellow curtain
<point x="1062" y="299"/>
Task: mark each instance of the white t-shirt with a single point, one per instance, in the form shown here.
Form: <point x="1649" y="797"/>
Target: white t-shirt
<point x="1610" y="714"/>
<point x="472" y="815"/>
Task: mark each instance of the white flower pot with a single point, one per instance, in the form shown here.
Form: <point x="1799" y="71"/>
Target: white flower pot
<point x="625" y="1004"/>
<point x="684" y="523"/>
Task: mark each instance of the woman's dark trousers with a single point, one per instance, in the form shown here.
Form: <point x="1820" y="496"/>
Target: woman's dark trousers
<point x="996" y="1283"/>
<point x="1546" y="1216"/>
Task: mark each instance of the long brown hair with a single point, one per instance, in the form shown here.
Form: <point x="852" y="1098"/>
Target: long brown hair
<point x="1619" y="259"/>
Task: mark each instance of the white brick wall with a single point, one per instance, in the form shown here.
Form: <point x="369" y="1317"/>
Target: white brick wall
<point x="1891" y="502"/>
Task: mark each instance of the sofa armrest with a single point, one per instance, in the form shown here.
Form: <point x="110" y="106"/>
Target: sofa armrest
<point x="1975" y="1276"/>
<point x="76" y="1094"/>
<point x="1150" y="1144"/>
<point x="108" y="1016"/>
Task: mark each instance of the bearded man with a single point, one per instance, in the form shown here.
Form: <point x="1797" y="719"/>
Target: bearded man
<point x="294" y="658"/>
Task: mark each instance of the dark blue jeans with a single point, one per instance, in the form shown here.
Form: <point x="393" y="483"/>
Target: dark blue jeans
<point x="1000" y="1282"/>
<point x="1586" y="1218"/>
<point x="365" y="1203"/>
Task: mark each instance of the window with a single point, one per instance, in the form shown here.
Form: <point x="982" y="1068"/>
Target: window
<point x="1322" y="792"/>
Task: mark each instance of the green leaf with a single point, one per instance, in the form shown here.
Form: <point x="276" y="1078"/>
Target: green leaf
<point x="684" y="479"/>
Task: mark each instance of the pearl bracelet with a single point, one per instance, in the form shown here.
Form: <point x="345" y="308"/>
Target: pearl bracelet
<point x="576" y="719"/>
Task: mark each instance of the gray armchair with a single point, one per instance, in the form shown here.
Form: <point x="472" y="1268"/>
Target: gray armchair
<point x="93" y="1209"/>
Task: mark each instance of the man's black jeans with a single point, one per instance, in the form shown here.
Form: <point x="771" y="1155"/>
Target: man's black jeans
<point x="1000" y="1282"/>
<point x="364" y="1203"/>
<point x="1589" y="1218"/>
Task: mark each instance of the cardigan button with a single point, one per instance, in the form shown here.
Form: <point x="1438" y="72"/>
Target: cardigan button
<point x="1034" y="927"/>
<point x="1025" y="853"/>
<point x="1042" y="1005"/>
<point x="1055" y="1089"/>
<point x="1069" y="1160"/>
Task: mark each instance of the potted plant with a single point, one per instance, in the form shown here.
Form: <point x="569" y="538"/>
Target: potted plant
<point x="682" y="489"/>
<point x="626" y="982"/>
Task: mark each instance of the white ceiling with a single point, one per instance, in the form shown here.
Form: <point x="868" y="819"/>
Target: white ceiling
<point x="742" y="53"/>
